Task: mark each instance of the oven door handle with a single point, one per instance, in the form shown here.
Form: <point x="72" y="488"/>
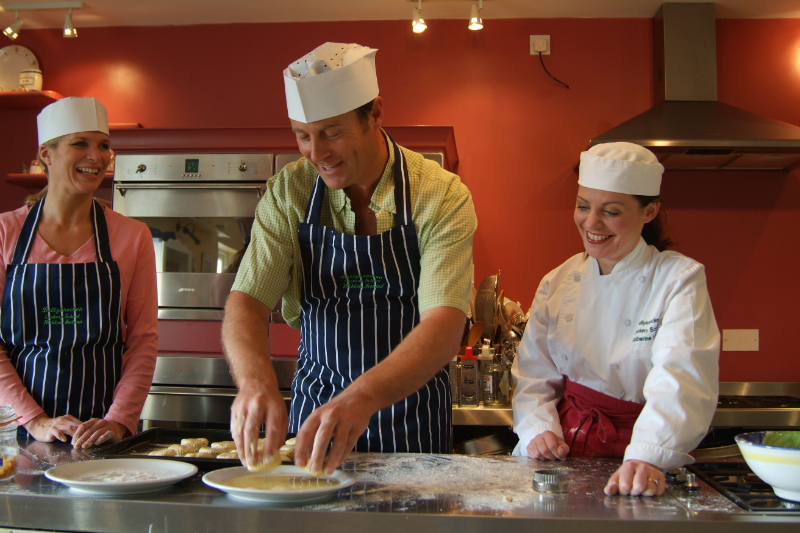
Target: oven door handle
<point x="123" y="188"/>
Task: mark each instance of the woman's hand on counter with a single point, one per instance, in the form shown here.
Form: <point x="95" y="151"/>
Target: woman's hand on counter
<point x="46" y="429"/>
<point x="636" y="478"/>
<point x="97" y="431"/>
<point x="548" y="445"/>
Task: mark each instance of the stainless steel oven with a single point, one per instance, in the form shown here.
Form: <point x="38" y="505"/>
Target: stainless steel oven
<point x="200" y="209"/>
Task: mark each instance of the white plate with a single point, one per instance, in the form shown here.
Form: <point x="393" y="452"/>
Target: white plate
<point x="13" y="60"/>
<point x="121" y="476"/>
<point x="217" y="478"/>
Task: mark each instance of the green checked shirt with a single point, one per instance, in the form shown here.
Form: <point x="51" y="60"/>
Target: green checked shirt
<point x="443" y="215"/>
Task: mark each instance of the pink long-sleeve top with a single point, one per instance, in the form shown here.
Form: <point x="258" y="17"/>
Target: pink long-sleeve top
<point x="132" y="249"/>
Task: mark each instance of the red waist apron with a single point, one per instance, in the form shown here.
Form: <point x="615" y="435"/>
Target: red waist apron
<point x="596" y="424"/>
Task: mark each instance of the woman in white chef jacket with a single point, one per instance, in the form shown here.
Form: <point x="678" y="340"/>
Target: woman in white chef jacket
<point x="620" y="356"/>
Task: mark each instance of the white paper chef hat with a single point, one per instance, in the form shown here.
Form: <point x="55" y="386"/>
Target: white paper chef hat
<point x="621" y="167"/>
<point x="331" y="80"/>
<point x="71" y="115"/>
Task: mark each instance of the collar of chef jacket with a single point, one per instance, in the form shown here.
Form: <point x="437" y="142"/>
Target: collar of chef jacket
<point x="633" y="261"/>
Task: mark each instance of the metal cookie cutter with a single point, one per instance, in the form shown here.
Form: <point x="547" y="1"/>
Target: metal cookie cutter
<point x="550" y="481"/>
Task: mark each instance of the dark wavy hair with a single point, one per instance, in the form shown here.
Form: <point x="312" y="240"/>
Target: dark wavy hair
<point x="653" y="232"/>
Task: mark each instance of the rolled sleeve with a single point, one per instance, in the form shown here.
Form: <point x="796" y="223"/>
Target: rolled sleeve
<point x="266" y="267"/>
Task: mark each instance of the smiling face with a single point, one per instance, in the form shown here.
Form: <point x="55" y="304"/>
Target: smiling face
<point x="342" y="149"/>
<point x="610" y="224"/>
<point x="78" y="163"/>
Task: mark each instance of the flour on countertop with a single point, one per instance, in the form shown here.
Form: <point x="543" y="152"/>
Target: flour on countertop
<point x="411" y="482"/>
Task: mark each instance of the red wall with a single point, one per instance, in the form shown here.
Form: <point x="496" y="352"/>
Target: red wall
<point x="518" y="133"/>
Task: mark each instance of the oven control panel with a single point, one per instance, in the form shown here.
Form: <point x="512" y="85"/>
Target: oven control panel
<point x="193" y="167"/>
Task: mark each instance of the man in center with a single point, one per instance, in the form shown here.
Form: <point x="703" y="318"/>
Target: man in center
<point x="369" y="247"/>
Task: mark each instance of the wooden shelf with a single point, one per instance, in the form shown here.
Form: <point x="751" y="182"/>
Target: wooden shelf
<point x="38" y="181"/>
<point x="27" y="99"/>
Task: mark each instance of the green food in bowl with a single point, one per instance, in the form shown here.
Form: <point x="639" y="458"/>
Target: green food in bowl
<point x="786" y="439"/>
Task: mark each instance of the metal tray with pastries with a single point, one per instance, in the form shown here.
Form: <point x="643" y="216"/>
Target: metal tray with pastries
<point x="141" y="444"/>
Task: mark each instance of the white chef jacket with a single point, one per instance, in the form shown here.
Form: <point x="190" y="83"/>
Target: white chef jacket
<point x="643" y="333"/>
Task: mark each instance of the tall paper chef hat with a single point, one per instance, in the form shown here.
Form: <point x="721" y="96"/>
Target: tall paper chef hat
<point x="621" y="167"/>
<point x="331" y="80"/>
<point x="71" y="115"/>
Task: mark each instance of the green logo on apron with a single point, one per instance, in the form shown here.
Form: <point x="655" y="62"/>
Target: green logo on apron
<point x="62" y="316"/>
<point x="362" y="281"/>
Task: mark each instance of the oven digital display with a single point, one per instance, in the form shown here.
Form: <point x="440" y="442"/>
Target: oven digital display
<point x="192" y="166"/>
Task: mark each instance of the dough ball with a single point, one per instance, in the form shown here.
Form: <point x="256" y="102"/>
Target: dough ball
<point x="194" y="443"/>
<point x="181" y="450"/>
<point x="164" y="452"/>
<point x="225" y="445"/>
<point x="288" y="451"/>
<point x="228" y="455"/>
<point x="209" y="450"/>
<point x="267" y="464"/>
<point x="313" y="473"/>
<point x="291" y="442"/>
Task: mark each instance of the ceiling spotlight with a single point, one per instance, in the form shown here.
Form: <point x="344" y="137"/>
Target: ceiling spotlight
<point x="13" y="29"/>
<point x="69" y="28"/>
<point x="12" y="32"/>
<point x="475" y="22"/>
<point x="418" y="23"/>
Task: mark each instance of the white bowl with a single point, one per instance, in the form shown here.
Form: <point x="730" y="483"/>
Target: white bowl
<point x="775" y="465"/>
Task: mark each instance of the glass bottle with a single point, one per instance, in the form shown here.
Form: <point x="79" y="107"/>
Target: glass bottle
<point x="9" y="449"/>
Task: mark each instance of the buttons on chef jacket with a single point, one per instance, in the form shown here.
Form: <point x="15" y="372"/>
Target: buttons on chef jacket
<point x="577" y="278"/>
<point x="641" y="279"/>
<point x="614" y="365"/>
<point x="626" y="322"/>
<point x="568" y="318"/>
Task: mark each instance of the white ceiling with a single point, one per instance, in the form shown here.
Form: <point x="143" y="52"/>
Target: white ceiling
<point x="188" y="12"/>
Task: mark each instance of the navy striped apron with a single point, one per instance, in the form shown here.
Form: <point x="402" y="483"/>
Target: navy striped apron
<point x="359" y="301"/>
<point x="61" y="325"/>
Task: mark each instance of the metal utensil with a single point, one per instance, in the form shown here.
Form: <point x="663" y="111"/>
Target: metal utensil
<point x="485" y="306"/>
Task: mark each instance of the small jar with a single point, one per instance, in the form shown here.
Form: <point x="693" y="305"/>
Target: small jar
<point x="9" y="449"/>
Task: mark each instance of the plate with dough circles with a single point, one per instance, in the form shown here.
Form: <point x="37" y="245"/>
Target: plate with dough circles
<point x="13" y="60"/>
<point x="121" y="476"/>
<point x="284" y="484"/>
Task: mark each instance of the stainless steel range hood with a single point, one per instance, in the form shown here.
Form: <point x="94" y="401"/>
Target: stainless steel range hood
<point x="688" y="129"/>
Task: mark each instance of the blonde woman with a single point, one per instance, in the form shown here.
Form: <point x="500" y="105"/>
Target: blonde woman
<point x="78" y="335"/>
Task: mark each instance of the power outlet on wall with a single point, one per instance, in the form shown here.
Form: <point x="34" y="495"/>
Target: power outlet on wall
<point x="739" y="340"/>
<point x="538" y="45"/>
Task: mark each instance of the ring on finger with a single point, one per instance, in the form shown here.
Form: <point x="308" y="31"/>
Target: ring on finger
<point x="655" y="481"/>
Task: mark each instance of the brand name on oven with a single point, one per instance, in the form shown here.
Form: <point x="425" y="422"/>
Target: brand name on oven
<point x="186" y="289"/>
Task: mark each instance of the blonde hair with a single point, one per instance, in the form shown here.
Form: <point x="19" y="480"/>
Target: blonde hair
<point x="32" y="199"/>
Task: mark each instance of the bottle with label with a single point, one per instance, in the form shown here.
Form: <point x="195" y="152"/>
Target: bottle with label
<point x="9" y="449"/>
<point x="469" y="379"/>
<point x="485" y="360"/>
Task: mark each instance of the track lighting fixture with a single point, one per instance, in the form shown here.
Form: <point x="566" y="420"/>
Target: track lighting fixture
<point x="418" y="23"/>
<point x="475" y="22"/>
<point x="69" y="28"/>
<point x="12" y="32"/>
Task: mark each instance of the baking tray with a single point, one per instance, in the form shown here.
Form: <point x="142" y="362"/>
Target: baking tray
<point x="141" y="444"/>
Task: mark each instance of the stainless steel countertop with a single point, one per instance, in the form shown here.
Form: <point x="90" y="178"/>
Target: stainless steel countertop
<point x="393" y="492"/>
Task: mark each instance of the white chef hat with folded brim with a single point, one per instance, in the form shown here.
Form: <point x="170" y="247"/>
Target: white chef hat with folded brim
<point x="71" y="115"/>
<point x="329" y="81"/>
<point x="621" y="167"/>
